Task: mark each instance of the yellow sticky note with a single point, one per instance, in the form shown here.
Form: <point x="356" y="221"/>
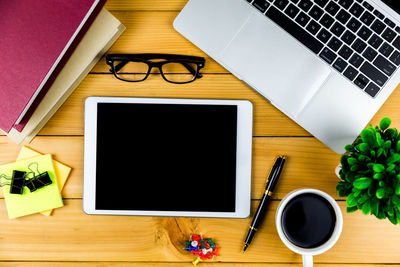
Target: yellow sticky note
<point x="62" y="170"/>
<point x="43" y="199"/>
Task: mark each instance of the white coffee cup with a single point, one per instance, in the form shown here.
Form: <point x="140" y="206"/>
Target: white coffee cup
<point x="308" y="253"/>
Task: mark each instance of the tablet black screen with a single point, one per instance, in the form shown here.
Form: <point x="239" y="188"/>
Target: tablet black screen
<point x="166" y="157"/>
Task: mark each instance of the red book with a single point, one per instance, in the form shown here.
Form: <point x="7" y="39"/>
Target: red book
<point x="36" y="35"/>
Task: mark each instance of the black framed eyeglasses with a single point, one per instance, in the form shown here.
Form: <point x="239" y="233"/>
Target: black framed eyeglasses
<point x="173" y="68"/>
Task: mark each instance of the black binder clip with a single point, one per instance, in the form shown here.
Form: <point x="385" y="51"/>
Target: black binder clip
<point x="37" y="181"/>
<point x="17" y="182"/>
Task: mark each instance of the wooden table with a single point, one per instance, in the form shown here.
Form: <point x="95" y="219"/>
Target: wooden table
<point x="71" y="238"/>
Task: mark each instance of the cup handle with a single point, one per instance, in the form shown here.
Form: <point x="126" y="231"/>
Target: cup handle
<point x="307" y="261"/>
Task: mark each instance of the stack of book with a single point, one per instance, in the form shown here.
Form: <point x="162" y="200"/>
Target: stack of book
<point x="47" y="48"/>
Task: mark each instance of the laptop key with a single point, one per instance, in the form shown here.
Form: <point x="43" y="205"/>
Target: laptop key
<point x="321" y="3"/>
<point x="395" y="58"/>
<point x="359" y="45"/>
<point x="361" y="81"/>
<point x="378" y="26"/>
<point x="396" y="42"/>
<point x="261" y="5"/>
<point x="294" y="1"/>
<point x="388" y="35"/>
<point x="313" y="27"/>
<point x="390" y="23"/>
<point x="378" y="14"/>
<point x="328" y="55"/>
<point x="302" y="19"/>
<point x="345" y="52"/>
<point x="343" y="16"/>
<point x="356" y="10"/>
<point x="386" y="49"/>
<point x="372" y="89"/>
<point x="281" y="4"/>
<point x="345" y="3"/>
<point x="295" y="30"/>
<point x="368" y="6"/>
<point x="370" y="54"/>
<point x="353" y="25"/>
<point x="348" y="37"/>
<point x="335" y="44"/>
<point x="364" y="33"/>
<point x="316" y="12"/>
<point x="397" y="29"/>
<point x="340" y="64"/>
<point x="375" y="41"/>
<point x="327" y="20"/>
<point x="332" y="8"/>
<point x="367" y="18"/>
<point x="305" y="5"/>
<point x="373" y="73"/>
<point x="337" y="29"/>
<point x="384" y="65"/>
<point x="356" y="60"/>
<point x="292" y="11"/>
<point x="324" y="35"/>
<point x="350" y="73"/>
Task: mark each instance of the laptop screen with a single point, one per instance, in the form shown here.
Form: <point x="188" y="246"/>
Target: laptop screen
<point x="395" y="4"/>
<point x="166" y="157"/>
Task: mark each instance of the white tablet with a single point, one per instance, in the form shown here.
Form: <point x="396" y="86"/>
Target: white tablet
<point x="167" y="157"/>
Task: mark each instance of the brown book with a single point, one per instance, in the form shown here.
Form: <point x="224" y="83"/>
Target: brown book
<point x="104" y="31"/>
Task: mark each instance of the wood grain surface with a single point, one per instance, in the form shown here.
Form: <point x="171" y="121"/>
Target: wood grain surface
<point x="71" y="238"/>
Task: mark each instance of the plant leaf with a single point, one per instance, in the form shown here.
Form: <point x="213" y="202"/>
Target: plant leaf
<point x="362" y="183"/>
<point x="398" y="146"/>
<point x="381" y="215"/>
<point x="378" y="168"/>
<point x="368" y="136"/>
<point x="351" y="209"/>
<point x="380" y="193"/>
<point x="390" y="167"/>
<point x="378" y="175"/>
<point x="392" y="219"/>
<point x="392" y="133"/>
<point x="393" y="158"/>
<point x="351" y="201"/>
<point x="349" y="148"/>
<point x="366" y="207"/>
<point x="344" y="163"/>
<point x="353" y="168"/>
<point x="374" y="205"/>
<point x="396" y="200"/>
<point x="385" y="123"/>
<point x="364" y="147"/>
<point x="379" y="139"/>
<point x="352" y="161"/>
<point x="387" y="144"/>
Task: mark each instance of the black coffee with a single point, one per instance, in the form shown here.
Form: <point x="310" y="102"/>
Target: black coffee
<point x="308" y="220"/>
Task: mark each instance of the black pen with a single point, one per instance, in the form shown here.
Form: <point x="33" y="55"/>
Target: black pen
<point x="261" y="210"/>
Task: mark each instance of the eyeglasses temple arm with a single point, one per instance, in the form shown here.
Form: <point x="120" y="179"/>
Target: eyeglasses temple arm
<point x="192" y="71"/>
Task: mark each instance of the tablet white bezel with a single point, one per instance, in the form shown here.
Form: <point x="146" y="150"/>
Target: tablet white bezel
<point x="243" y="156"/>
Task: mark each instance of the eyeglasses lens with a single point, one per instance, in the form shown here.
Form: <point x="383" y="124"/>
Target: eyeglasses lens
<point x="131" y="70"/>
<point x="179" y="72"/>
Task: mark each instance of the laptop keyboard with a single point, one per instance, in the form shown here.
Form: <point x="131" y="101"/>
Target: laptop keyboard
<point x="357" y="40"/>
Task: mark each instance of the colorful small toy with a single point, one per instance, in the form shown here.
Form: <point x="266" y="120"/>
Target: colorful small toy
<point x="203" y="248"/>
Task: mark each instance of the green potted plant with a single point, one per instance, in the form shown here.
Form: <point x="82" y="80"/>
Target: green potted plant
<point x="370" y="173"/>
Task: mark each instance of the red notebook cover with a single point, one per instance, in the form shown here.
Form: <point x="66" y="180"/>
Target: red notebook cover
<point x="35" y="37"/>
<point x="20" y="126"/>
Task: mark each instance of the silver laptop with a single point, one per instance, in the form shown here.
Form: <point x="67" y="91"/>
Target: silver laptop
<point x="329" y="65"/>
